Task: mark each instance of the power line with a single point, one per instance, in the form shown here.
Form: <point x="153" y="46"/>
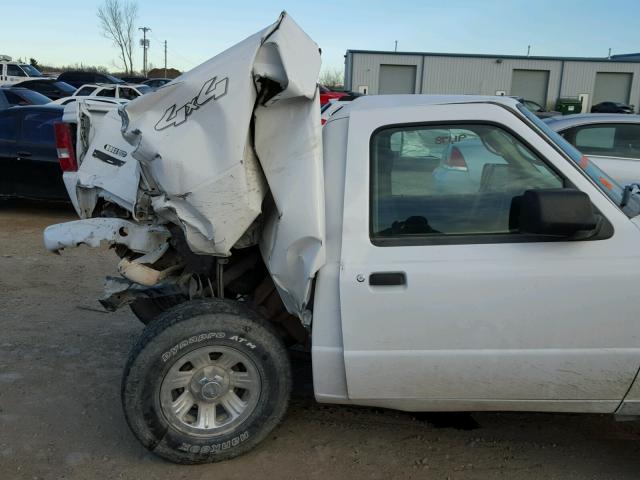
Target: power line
<point x="174" y="52"/>
<point x="185" y="59"/>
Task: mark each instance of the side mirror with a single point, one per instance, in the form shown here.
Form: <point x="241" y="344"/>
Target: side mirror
<point x="559" y="212"/>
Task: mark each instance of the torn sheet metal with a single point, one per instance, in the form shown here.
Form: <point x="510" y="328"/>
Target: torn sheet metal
<point x="94" y="231"/>
<point x="119" y="292"/>
<point x="213" y="143"/>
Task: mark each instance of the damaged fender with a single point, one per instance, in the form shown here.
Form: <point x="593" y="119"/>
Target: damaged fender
<point x="233" y="139"/>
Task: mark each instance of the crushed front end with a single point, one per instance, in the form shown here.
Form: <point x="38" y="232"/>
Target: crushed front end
<point x="210" y="186"/>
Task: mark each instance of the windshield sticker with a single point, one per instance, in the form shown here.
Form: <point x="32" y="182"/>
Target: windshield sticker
<point x="173" y="116"/>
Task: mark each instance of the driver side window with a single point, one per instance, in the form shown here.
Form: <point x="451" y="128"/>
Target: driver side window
<point x="450" y="180"/>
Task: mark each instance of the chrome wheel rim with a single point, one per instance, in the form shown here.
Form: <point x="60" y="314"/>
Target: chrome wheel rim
<point x="210" y="391"/>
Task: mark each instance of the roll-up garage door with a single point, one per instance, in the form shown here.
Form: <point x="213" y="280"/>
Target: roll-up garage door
<point x="612" y="87"/>
<point x="397" y="79"/>
<point x="530" y="85"/>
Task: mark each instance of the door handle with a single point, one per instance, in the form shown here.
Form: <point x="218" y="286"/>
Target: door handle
<point x="24" y="154"/>
<point x="387" y="279"/>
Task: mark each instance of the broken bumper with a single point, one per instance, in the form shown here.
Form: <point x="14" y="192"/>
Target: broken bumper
<point x="95" y="231"/>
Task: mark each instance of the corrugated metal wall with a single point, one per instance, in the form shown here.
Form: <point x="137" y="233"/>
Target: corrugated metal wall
<point x="481" y="76"/>
<point x="485" y="75"/>
<point x="580" y="77"/>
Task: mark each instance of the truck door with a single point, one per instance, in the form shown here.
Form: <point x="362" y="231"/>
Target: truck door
<point x="444" y="304"/>
<point x="14" y="73"/>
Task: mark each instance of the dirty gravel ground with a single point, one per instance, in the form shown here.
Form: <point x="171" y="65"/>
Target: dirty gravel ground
<point x="60" y="364"/>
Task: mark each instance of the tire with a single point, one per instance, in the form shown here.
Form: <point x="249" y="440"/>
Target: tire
<point x="148" y="309"/>
<point x="206" y="352"/>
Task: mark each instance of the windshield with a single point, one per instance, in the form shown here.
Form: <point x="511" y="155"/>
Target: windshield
<point x="604" y="182"/>
<point x="31" y="70"/>
<point x="143" y="89"/>
<point x="31" y="97"/>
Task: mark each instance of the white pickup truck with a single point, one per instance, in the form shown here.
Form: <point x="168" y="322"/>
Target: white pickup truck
<point x="243" y="226"/>
<point x="13" y="72"/>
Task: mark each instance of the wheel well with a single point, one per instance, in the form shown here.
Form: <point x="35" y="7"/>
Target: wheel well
<point x="244" y="278"/>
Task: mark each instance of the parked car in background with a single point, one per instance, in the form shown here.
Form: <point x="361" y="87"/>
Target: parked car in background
<point x="471" y="163"/>
<point x="326" y="94"/>
<point x="77" y="79"/>
<point x="49" y="87"/>
<point x="92" y="100"/>
<point x="537" y="109"/>
<point x="125" y="91"/>
<point x="611" y="107"/>
<point x="133" y="79"/>
<point x="12" y="72"/>
<point x="155" y="83"/>
<point x="13" y="96"/>
<point x="611" y="141"/>
<point x="30" y="166"/>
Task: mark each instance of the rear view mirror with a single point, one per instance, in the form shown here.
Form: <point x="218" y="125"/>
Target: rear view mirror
<point x="559" y="212"/>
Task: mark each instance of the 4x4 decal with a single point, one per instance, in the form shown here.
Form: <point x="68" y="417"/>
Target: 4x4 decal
<point x="211" y="90"/>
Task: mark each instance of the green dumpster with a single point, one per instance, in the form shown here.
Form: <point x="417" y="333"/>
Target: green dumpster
<point x="568" y="106"/>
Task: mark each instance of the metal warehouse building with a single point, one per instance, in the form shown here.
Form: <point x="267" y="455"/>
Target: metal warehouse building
<point x="541" y="79"/>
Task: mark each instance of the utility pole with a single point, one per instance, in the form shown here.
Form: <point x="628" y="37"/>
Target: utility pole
<point x="528" y="50"/>
<point x="396" y="47"/>
<point x="145" y="46"/>
<point x="165" y="59"/>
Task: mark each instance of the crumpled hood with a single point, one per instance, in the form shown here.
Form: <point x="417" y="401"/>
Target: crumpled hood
<point x="234" y="138"/>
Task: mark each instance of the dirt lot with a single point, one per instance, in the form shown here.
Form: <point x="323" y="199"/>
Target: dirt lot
<point x="60" y="365"/>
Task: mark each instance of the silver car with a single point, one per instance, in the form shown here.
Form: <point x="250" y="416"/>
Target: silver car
<point x="470" y="162"/>
<point x="610" y="140"/>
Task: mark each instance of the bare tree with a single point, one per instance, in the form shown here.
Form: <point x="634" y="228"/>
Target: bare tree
<point x="332" y="77"/>
<point x="117" y="23"/>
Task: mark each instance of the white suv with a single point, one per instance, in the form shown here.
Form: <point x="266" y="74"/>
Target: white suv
<point x="124" y="92"/>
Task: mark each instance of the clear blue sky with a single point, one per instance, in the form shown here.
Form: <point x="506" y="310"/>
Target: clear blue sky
<point x="66" y="32"/>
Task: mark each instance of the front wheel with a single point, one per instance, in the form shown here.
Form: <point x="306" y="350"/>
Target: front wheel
<point x="148" y="309"/>
<point x="207" y="381"/>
